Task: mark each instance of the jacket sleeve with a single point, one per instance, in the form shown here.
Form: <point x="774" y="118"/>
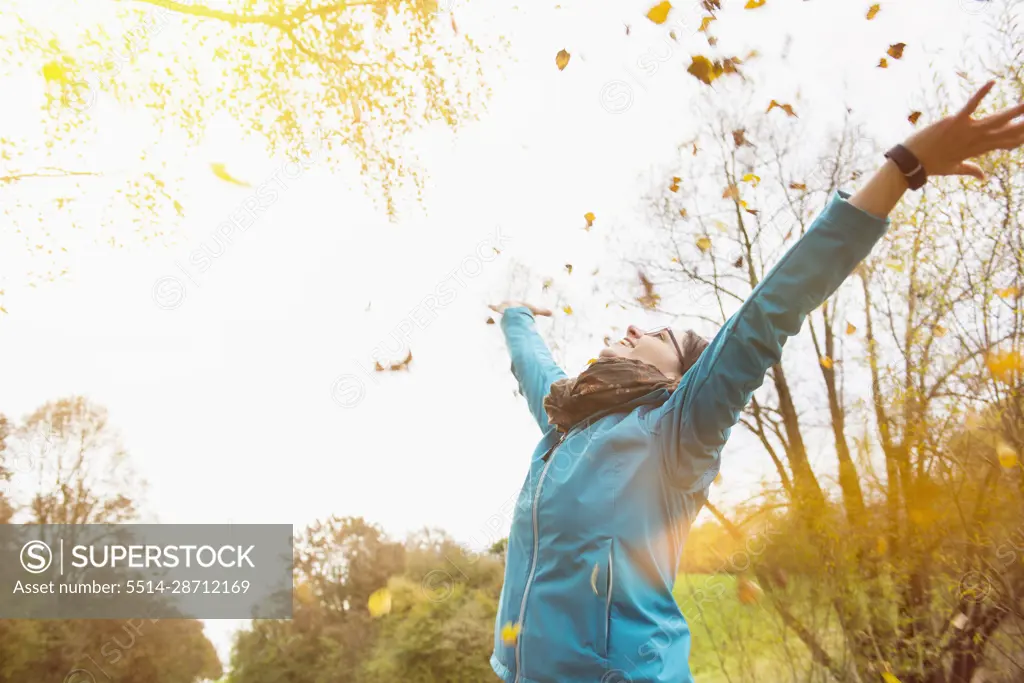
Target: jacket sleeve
<point x="532" y="364"/>
<point x="691" y="427"/>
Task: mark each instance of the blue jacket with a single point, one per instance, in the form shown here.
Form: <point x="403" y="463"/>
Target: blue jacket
<point x="599" y="526"/>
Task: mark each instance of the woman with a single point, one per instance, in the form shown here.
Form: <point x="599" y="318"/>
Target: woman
<point x="632" y="444"/>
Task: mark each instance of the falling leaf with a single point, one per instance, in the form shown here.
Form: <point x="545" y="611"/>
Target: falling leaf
<point x="752" y="179"/>
<point x="1007" y="455"/>
<point x="1003" y="365"/>
<point x="873" y="11"/>
<point x="711" y="5"/>
<point x="704" y="70"/>
<point x="784" y="107"/>
<point x="674" y="187"/>
<point x="650" y="298"/>
<point x="53" y="72"/>
<point x="826" y="362"/>
<point x="738" y="263"/>
<point x="695" y="149"/>
<point x="510" y="633"/>
<point x="896" y="51"/>
<point x="739" y="137"/>
<point x="682" y="212"/>
<point x="490" y="321"/>
<point x="221" y="172"/>
<point x="607" y="339"/>
<point x="731" y="192"/>
<point x="798" y="186"/>
<point x="1008" y="292"/>
<point x="722" y="227"/>
<point x="939" y="331"/>
<point x="590" y="219"/>
<point x="754" y="4"/>
<point x="895" y="264"/>
<point x="178" y="208"/>
<point x="454" y="25"/>
<point x="562" y="59"/>
<point x="889" y="678"/>
<point x="379" y="603"/>
<point x="704" y="23"/>
<point x="704" y="244"/>
<point x="752" y="212"/>
<point x="718" y="478"/>
<point x="568" y="268"/>
<point x="850" y="328"/>
<point x="914" y="116"/>
<point x="673" y="36"/>
<point x="883" y="63"/>
<point x="568" y="310"/>
<point x="659" y="13"/>
<point x="357" y="115"/>
<point x="546" y="284"/>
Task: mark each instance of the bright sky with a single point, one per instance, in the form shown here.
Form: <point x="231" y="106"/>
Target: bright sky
<point x="225" y="401"/>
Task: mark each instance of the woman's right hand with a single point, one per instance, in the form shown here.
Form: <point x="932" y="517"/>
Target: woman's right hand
<point x="500" y="308"/>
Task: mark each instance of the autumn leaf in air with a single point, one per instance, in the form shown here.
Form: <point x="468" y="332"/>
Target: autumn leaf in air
<point x="752" y="179"/>
<point x="896" y="51"/>
<point x="873" y="11"/>
<point x="704" y="23"/>
<point x="567" y="310"/>
<point x="798" y="186"/>
<point x="826" y="362"/>
<point x="711" y="5"/>
<point x="562" y="59"/>
<point x="568" y="268"/>
<point x="894" y="264"/>
<point x="889" y="678"/>
<point x="704" y="244"/>
<point x="53" y="72"/>
<point x="883" y="63"/>
<point x="221" y="172"/>
<point x="739" y="137"/>
<point x="704" y="70"/>
<point x="939" y="331"/>
<point x="754" y="4"/>
<point x="379" y="603"/>
<point x="1007" y="455"/>
<point x="731" y="192"/>
<point x="659" y="13"/>
<point x="850" y="329"/>
<point x="695" y="149"/>
<point x="914" y="116"/>
<point x="682" y="213"/>
<point x="738" y="263"/>
<point x="589" y="216"/>
<point x="784" y="107"/>
<point x="490" y="321"/>
<point x="1003" y="365"/>
<point x="650" y="298"/>
<point x="675" y="184"/>
<point x="1008" y="292"/>
<point x="546" y="284"/>
<point x="510" y="633"/>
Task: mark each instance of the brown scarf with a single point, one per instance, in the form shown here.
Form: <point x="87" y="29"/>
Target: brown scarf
<point x="608" y="382"/>
<point x="605" y="383"/>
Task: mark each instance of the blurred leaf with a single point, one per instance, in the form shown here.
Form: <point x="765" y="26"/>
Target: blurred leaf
<point x="798" y="186"/>
<point x="914" y="116"/>
<point x="568" y="310"/>
<point x="850" y="328"/>
<point x="704" y="23"/>
<point x="704" y="70"/>
<point x="379" y="603"/>
<point x="568" y="268"/>
<point x="659" y="13"/>
<point x="731" y="192"/>
<point x="883" y="63"/>
<point x="221" y="172"/>
<point x="784" y="107"/>
<point x="562" y="59"/>
<point x="826" y="362"/>
<point x="704" y="244"/>
<point x="510" y="633"/>
<point x="752" y="179"/>
<point x="754" y="4"/>
<point x="896" y="51"/>
<point x="873" y="11"/>
<point x="490" y="321"/>
<point x="590" y="219"/>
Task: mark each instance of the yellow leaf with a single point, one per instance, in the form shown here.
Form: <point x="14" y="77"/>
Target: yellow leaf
<point x="590" y="218"/>
<point x="883" y="63"/>
<point x="568" y="267"/>
<point x="895" y="264"/>
<point x="889" y="678"/>
<point x="881" y="545"/>
<point x="722" y="227"/>
<point x="826" y="362"/>
<point x="659" y="13"/>
<point x="704" y="244"/>
<point x="798" y="186"/>
<point x="682" y="212"/>
<point x="705" y="71"/>
<point x="562" y="59"/>
<point x="752" y="179"/>
<point x="546" y="284"/>
<point x="1008" y="292"/>
<point x="510" y="633"/>
<point x="1004" y="365"/>
<point x="568" y="310"/>
<point x="731" y="192"/>
<point x="939" y="331"/>
<point x="379" y="603"/>
<point x="718" y="478"/>
<point x="896" y="51"/>
<point x="1007" y="455"/>
<point x="784" y="107"/>
<point x="592" y="360"/>
<point x="914" y="116"/>
<point x="221" y="172"/>
<point x="873" y="11"/>
<point x="704" y="23"/>
<point x="754" y="4"/>
<point x="53" y="72"/>
<point x="850" y="329"/>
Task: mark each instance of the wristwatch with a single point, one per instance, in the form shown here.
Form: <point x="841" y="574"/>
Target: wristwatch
<point x="909" y="166"/>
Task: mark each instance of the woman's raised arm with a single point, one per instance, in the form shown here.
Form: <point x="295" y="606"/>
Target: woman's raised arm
<point x="691" y="428"/>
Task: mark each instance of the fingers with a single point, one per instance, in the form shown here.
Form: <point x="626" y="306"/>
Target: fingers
<point x="975" y="101"/>
<point x="1007" y="137"/>
<point x="1002" y="118"/>
<point x="969" y="168"/>
<point x="542" y="311"/>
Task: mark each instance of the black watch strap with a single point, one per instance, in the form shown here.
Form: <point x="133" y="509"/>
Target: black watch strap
<point x="909" y="166"/>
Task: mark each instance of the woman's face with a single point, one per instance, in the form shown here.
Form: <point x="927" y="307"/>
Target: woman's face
<point x="654" y="349"/>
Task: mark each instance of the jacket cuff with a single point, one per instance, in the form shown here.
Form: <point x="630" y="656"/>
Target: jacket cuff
<point x="841" y="212"/>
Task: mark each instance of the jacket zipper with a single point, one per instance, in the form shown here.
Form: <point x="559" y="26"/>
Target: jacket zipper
<point x="608" y="602"/>
<point x="536" y="549"/>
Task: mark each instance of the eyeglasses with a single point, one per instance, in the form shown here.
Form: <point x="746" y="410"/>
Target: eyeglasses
<point x="659" y="332"/>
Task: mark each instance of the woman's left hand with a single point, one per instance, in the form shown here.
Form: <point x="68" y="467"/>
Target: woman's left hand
<point x="944" y="147"/>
